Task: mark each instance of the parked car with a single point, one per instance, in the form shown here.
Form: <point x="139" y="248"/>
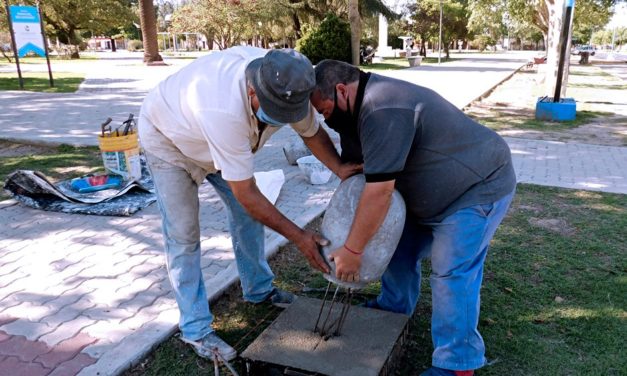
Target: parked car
<point x="583" y="48"/>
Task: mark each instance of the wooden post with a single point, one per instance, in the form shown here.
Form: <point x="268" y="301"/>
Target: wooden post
<point x="43" y="36"/>
<point x="17" y="59"/>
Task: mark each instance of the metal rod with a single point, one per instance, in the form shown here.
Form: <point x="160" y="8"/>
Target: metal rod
<point x="324" y="300"/>
<point x="563" y="52"/>
<point x="347" y="305"/>
<point x="322" y="330"/>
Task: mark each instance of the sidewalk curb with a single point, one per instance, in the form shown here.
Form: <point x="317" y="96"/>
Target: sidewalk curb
<point x="489" y="91"/>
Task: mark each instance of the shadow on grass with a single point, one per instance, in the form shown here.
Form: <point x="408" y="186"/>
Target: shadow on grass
<point x="40" y="83"/>
<point x="57" y="163"/>
<point x="521" y="118"/>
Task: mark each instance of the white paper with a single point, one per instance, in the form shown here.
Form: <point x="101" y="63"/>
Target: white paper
<point x="270" y="183"/>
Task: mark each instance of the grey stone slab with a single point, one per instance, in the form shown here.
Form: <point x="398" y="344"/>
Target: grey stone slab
<point x="367" y="340"/>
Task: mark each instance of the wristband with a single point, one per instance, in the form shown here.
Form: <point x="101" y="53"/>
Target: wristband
<point x="351" y="251"/>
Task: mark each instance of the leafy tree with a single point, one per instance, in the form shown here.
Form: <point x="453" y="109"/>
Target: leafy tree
<point x="231" y="22"/>
<point x="486" y="19"/>
<point x="589" y="14"/>
<point x="66" y="19"/>
<point x="331" y="40"/>
<point x="425" y="18"/>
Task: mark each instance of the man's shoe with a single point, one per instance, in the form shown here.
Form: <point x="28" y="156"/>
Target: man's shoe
<point x="436" y="371"/>
<point x="209" y="344"/>
<point x="280" y="298"/>
<point x="371" y="303"/>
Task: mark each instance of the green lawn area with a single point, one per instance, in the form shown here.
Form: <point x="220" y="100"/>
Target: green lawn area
<point x="501" y="121"/>
<point x="38" y="81"/>
<point x="57" y="163"/>
<point x="84" y="57"/>
<point x="554" y="300"/>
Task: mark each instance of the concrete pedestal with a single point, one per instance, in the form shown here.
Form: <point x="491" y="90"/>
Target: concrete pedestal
<point x="369" y="345"/>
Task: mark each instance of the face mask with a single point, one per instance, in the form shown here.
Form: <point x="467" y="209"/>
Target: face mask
<point x="343" y="123"/>
<point x="263" y="117"/>
<point x="339" y="119"/>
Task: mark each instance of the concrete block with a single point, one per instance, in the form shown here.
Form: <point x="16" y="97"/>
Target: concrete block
<point x="368" y="345"/>
<point x="294" y="150"/>
<point x="337" y="223"/>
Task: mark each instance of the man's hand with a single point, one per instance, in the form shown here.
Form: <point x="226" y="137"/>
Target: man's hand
<point x="346" y="170"/>
<point x="261" y="209"/>
<point x="309" y="244"/>
<point x="347" y="264"/>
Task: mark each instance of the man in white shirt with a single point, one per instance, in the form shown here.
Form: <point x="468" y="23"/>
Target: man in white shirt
<point x="206" y="122"/>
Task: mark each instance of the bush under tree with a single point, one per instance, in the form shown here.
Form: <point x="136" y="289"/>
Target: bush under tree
<point x="330" y="40"/>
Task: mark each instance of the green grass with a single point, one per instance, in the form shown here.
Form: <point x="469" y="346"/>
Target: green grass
<point x="599" y="86"/>
<point x="399" y="63"/>
<point x="502" y="121"/>
<point x="554" y="299"/>
<point x="38" y="81"/>
<point x="60" y="163"/>
<point x="596" y="73"/>
<point x="84" y="57"/>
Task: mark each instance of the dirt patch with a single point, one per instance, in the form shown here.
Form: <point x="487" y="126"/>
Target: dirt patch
<point x="13" y="149"/>
<point x="556" y="225"/>
<point x="595" y="91"/>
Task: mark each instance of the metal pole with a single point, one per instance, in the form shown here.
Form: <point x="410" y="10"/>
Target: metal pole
<point x="563" y="52"/>
<point x="17" y="58"/>
<point x="43" y="37"/>
<point x="440" y="41"/>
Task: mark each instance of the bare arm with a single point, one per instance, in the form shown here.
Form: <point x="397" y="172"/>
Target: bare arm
<point x="256" y="204"/>
<point x="373" y="206"/>
<point x="322" y="148"/>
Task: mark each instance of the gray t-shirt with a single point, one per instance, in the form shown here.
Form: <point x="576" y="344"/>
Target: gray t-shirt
<point x="441" y="159"/>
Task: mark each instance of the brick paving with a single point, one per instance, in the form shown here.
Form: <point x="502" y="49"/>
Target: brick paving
<point x="89" y="295"/>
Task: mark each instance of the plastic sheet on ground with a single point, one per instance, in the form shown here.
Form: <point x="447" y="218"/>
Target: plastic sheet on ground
<point x="33" y="189"/>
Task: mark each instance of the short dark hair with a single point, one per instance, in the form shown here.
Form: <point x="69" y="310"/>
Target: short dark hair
<point x="332" y="72"/>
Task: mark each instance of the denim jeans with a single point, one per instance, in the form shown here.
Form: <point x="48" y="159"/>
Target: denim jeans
<point x="177" y="196"/>
<point x="457" y="246"/>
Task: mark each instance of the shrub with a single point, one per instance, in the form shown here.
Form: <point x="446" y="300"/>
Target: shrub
<point x="330" y="40"/>
<point x="134" y="45"/>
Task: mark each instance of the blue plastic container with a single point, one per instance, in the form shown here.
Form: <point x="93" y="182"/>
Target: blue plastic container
<point x="564" y="110"/>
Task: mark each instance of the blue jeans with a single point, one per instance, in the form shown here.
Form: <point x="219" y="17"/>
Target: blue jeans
<point x="177" y="196"/>
<point x="457" y="246"/>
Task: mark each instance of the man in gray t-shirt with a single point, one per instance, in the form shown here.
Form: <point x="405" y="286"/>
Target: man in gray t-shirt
<point x="457" y="180"/>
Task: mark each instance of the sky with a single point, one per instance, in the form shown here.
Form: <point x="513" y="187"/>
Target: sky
<point x="620" y="16"/>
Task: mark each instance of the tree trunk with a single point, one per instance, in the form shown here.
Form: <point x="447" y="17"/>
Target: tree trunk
<point x="149" y="31"/>
<point x="297" y="27"/>
<point x="355" y="23"/>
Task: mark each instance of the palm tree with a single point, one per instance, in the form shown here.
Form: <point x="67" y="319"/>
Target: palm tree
<point x="149" y="31"/>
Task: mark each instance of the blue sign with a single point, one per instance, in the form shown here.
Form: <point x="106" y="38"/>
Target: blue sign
<point x="24" y="14"/>
<point x="27" y="30"/>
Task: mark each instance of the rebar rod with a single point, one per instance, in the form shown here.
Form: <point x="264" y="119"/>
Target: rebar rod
<point x="324" y="300"/>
